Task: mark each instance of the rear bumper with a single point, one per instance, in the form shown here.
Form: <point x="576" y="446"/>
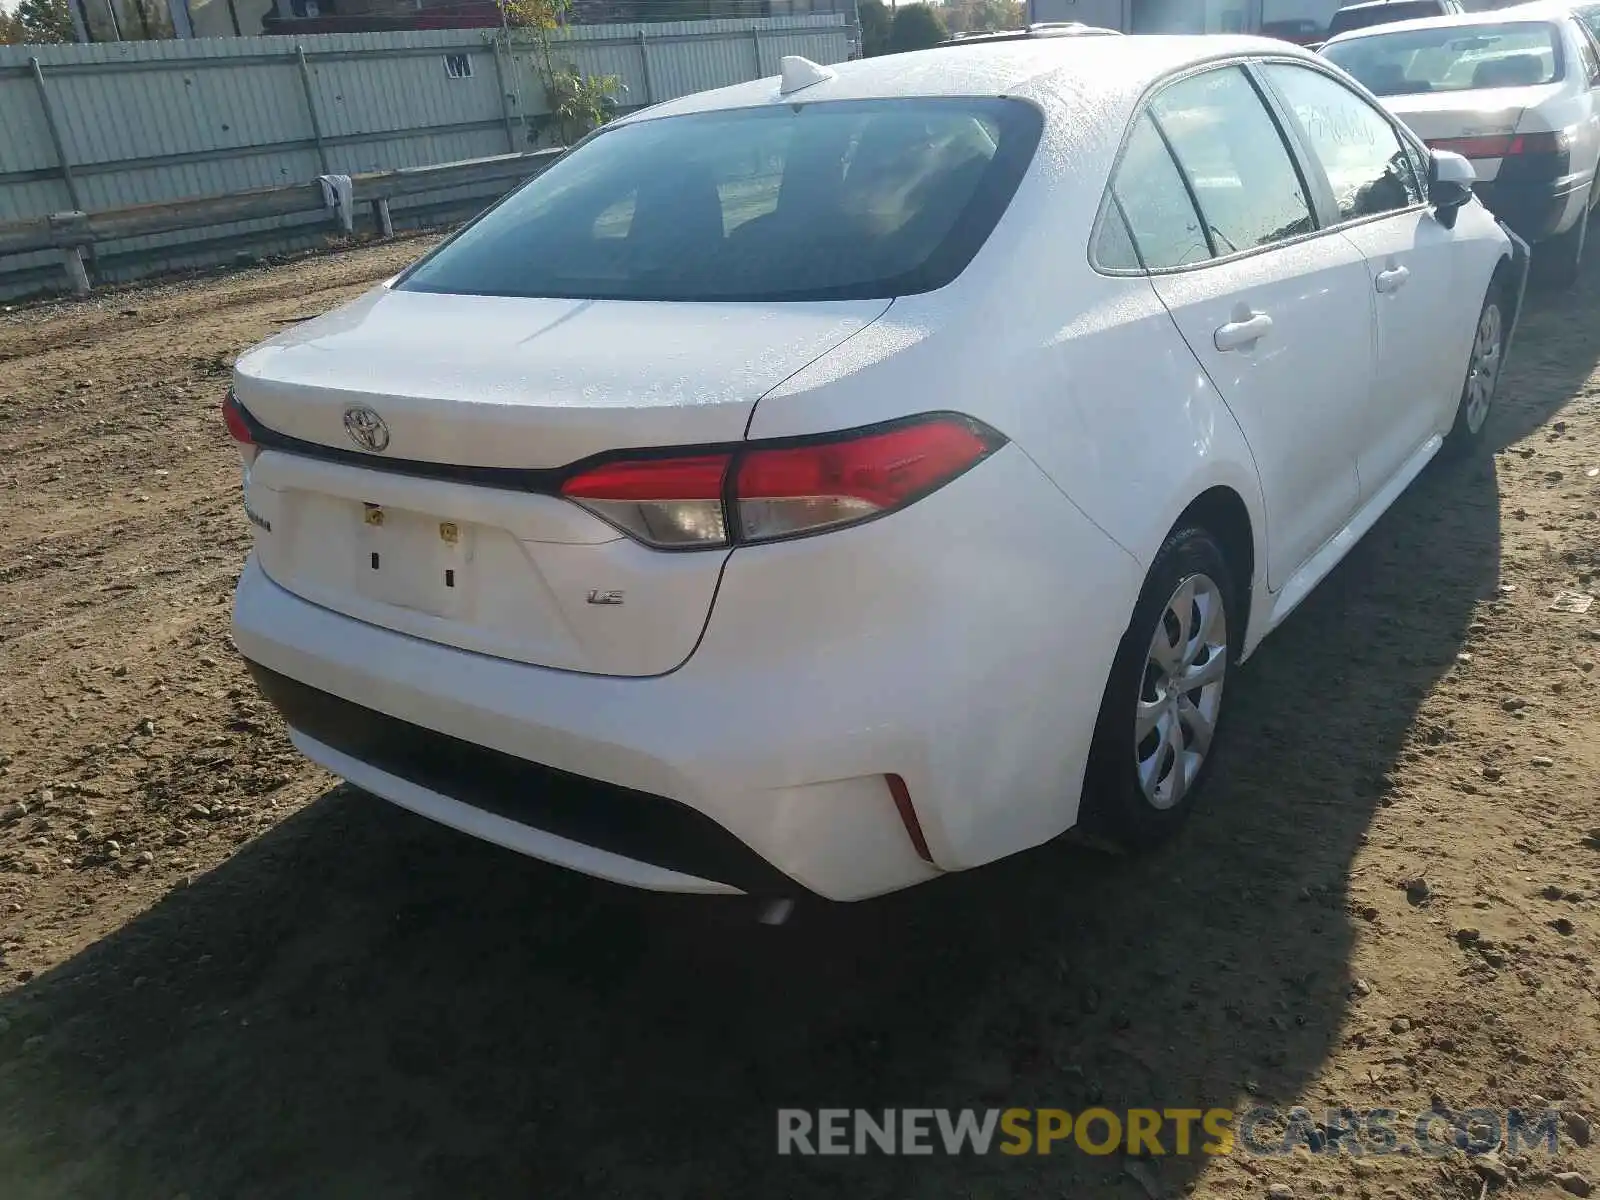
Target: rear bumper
<point x="1521" y="268"/>
<point x="1536" y="209"/>
<point x="962" y="644"/>
<point x="576" y="770"/>
<point x="623" y="835"/>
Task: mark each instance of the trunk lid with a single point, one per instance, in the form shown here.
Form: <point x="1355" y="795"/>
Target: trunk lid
<point x="1476" y="114"/>
<point x="511" y="382"/>
<point x="467" y="381"/>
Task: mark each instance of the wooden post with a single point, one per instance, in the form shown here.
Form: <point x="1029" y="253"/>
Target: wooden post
<point x="505" y="95"/>
<point x="311" y="108"/>
<point x="144" y="18"/>
<point x="644" y="68"/>
<point x="380" y="214"/>
<point x="755" y="40"/>
<point x="54" y="128"/>
<point x="72" y="260"/>
<point x="80" y="24"/>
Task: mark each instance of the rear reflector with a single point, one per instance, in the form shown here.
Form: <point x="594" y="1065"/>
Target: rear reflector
<point x="908" y="816"/>
<point x="778" y="491"/>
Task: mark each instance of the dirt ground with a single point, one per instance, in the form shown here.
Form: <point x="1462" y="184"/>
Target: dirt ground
<point x="221" y="975"/>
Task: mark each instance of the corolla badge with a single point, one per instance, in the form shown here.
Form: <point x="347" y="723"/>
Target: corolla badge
<point x="366" y="428"/>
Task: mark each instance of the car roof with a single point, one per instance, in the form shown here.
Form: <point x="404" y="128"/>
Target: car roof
<point x="1539" y="10"/>
<point x="1366" y="5"/>
<point x="1092" y="71"/>
<point x="1039" y="29"/>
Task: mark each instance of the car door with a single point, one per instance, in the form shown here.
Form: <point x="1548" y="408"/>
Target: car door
<point x="1425" y="310"/>
<point x="1275" y="310"/>
<point x="1586" y="83"/>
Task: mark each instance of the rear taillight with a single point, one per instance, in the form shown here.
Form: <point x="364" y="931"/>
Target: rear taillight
<point x="765" y="491"/>
<point x="238" y="428"/>
<point x="803" y="488"/>
<point x="1505" y="145"/>
<point x="1494" y="146"/>
<point x="233" y="418"/>
<point x="1540" y="143"/>
<point x="667" y="502"/>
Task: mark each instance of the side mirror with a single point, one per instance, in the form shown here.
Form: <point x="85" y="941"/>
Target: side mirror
<point x="1450" y="180"/>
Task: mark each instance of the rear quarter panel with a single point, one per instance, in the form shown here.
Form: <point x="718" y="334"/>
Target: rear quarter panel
<point x="1084" y="371"/>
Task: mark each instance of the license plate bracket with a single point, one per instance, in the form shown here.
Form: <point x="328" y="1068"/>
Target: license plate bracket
<point x="414" y="560"/>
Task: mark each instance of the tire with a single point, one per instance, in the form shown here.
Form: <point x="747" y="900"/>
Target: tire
<point x="1559" y="261"/>
<point x="1485" y="360"/>
<point x="1139" y="788"/>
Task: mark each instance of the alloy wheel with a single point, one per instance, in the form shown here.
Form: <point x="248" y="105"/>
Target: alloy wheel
<point x="1180" y="696"/>
<point x="1483" y="371"/>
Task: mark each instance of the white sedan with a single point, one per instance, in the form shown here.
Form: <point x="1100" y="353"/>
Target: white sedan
<point x="834" y="482"/>
<point x="1513" y="90"/>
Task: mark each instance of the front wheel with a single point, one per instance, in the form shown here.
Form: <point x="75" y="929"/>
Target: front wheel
<point x="1484" y="361"/>
<point x="1162" y="710"/>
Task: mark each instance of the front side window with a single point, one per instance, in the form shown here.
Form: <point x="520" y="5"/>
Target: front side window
<point x="1453" y="58"/>
<point x="1231" y="151"/>
<point x="1364" y="158"/>
<point x="823" y="201"/>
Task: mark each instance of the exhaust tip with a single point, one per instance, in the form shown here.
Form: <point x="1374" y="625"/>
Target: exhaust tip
<point x="776" y="912"/>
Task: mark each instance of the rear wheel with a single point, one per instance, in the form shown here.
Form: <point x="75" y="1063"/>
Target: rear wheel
<point x="1163" y="704"/>
<point x="1484" y="361"/>
<point x="1560" y="259"/>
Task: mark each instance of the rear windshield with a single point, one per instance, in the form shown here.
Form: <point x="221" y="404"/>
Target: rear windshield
<point x="832" y="200"/>
<point x="1382" y="14"/>
<point x="1453" y="58"/>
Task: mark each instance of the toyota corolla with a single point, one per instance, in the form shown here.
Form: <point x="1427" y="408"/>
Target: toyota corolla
<point x="838" y="480"/>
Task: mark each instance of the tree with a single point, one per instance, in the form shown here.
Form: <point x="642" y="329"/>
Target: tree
<point x="874" y="18"/>
<point x="578" y="102"/>
<point x="36" y="22"/>
<point x="983" y="16"/>
<point x="915" y="27"/>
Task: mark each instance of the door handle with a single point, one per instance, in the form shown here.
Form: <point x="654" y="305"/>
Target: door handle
<point x="1243" y="333"/>
<point x="1393" y="279"/>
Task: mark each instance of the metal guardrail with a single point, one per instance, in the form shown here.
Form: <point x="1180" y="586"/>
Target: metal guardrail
<point x="72" y="233"/>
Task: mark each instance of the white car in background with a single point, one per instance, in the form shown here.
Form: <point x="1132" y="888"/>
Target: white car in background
<point x="1513" y="90"/>
<point x="1368" y="13"/>
<point x="1589" y="13"/>
<point x="833" y="482"/>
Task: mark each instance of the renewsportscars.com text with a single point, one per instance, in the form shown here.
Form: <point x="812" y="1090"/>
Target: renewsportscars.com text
<point x="1260" y="1132"/>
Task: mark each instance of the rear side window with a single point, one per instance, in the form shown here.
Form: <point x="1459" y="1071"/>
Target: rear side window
<point x="1113" y="247"/>
<point x="1230" y="149"/>
<point x="1589" y="14"/>
<point x="1588" y="52"/>
<point x="1365" y="161"/>
<point x="831" y="200"/>
<point x="1162" y="221"/>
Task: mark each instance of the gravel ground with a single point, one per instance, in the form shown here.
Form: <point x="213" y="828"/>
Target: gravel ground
<point x="221" y="975"/>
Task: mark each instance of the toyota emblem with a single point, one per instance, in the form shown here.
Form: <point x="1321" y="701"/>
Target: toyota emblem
<point x="366" y="428"/>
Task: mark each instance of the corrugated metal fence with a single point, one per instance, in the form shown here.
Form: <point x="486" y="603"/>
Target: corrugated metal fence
<point x="109" y="125"/>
